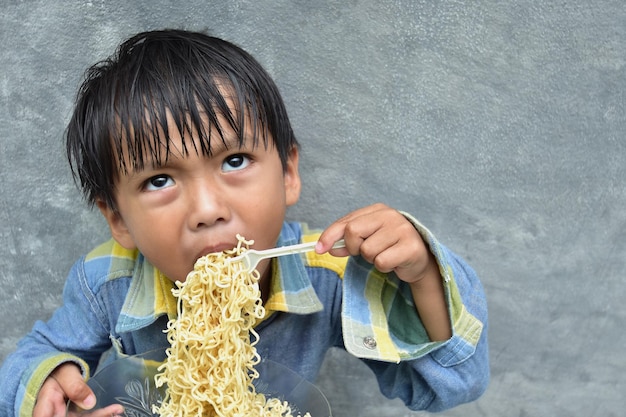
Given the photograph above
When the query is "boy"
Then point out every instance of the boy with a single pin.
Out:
(182, 141)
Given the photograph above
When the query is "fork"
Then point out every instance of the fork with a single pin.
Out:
(251, 258)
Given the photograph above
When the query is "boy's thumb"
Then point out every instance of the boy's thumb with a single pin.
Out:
(88, 402)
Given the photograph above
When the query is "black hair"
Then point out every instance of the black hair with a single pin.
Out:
(122, 106)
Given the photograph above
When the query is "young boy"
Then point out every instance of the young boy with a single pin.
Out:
(182, 141)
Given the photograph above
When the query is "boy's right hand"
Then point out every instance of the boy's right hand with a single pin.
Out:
(66, 383)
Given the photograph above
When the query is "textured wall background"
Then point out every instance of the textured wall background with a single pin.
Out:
(498, 123)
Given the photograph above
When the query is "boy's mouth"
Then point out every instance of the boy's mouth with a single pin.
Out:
(215, 249)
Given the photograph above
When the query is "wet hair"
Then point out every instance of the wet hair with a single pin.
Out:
(121, 110)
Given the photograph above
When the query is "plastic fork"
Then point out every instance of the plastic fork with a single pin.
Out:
(251, 258)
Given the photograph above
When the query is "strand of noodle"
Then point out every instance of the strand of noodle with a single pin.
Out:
(210, 363)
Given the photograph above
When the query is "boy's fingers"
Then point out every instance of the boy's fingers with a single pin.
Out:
(71, 381)
(51, 400)
(66, 383)
(354, 227)
(114, 410)
(336, 231)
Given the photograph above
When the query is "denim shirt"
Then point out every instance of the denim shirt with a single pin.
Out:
(116, 302)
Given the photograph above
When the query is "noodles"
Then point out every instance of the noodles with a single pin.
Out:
(209, 369)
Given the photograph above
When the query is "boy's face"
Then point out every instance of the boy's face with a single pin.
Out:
(193, 204)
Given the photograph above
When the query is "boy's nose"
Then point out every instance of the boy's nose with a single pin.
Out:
(207, 205)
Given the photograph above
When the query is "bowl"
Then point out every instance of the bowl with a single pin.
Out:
(130, 381)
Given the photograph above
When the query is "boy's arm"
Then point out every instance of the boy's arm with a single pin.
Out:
(380, 323)
(75, 327)
(430, 300)
(25, 371)
(390, 240)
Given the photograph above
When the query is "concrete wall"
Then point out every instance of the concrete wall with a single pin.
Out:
(498, 123)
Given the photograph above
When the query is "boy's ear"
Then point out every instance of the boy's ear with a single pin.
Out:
(292, 177)
(118, 228)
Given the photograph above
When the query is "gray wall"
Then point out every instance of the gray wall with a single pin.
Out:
(498, 123)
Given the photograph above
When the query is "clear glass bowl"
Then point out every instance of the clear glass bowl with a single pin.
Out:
(130, 382)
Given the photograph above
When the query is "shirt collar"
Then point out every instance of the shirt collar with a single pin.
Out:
(149, 297)
(291, 290)
(150, 293)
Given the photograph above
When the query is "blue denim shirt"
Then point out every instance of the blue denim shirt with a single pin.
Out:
(115, 301)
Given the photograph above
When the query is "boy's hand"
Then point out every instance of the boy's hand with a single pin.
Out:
(66, 382)
(385, 238)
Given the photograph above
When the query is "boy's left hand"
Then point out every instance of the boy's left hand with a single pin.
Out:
(389, 241)
(383, 237)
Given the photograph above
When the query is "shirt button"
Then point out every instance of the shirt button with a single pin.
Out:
(369, 342)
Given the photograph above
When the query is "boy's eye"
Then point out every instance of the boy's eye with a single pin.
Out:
(159, 182)
(235, 162)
